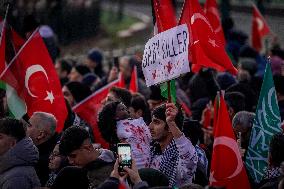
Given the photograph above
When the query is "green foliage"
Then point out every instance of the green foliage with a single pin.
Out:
(111, 24)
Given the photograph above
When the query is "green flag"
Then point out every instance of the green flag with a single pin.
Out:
(16, 106)
(164, 90)
(267, 122)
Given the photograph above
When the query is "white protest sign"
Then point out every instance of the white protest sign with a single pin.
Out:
(166, 55)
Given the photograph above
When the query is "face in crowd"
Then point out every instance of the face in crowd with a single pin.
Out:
(80, 157)
(158, 129)
(121, 112)
(55, 159)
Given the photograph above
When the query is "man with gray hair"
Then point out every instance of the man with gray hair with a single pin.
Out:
(41, 129)
(242, 124)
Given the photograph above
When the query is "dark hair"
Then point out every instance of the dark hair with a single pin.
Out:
(192, 130)
(248, 92)
(156, 93)
(276, 149)
(123, 94)
(65, 65)
(82, 69)
(78, 90)
(69, 120)
(71, 177)
(278, 81)
(202, 85)
(249, 64)
(96, 56)
(235, 100)
(72, 139)
(107, 122)
(160, 113)
(138, 102)
(12, 127)
(153, 177)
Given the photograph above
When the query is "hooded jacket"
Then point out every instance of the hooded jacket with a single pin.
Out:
(16, 166)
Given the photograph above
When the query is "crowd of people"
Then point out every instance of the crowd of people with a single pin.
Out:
(170, 146)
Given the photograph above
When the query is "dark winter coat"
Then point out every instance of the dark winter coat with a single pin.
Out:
(17, 166)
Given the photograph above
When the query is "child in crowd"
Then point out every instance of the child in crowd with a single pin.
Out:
(116, 126)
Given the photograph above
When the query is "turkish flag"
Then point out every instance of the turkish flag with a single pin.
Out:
(213, 15)
(32, 74)
(206, 49)
(259, 29)
(133, 86)
(89, 108)
(227, 168)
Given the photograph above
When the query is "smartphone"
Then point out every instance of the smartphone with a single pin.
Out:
(124, 155)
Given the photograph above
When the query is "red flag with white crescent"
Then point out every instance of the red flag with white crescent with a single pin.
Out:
(213, 15)
(205, 48)
(32, 74)
(259, 29)
(227, 168)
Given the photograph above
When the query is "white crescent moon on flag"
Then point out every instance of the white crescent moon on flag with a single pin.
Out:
(260, 24)
(232, 144)
(29, 72)
(214, 11)
(196, 16)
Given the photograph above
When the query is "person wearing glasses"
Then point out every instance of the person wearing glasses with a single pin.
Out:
(56, 162)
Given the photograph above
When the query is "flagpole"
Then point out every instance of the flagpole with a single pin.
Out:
(4, 23)
(24, 45)
(169, 91)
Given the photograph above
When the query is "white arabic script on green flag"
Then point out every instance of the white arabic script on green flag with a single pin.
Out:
(267, 122)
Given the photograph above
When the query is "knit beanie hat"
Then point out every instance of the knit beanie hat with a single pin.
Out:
(96, 56)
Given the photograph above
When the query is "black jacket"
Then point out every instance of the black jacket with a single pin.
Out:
(45, 150)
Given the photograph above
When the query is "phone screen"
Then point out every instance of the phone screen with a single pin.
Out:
(124, 154)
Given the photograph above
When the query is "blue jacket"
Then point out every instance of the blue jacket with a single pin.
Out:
(16, 166)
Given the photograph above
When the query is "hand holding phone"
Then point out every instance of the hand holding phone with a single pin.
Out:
(124, 156)
(132, 172)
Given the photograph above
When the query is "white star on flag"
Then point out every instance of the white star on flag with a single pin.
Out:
(49, 96)
(213, 42)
